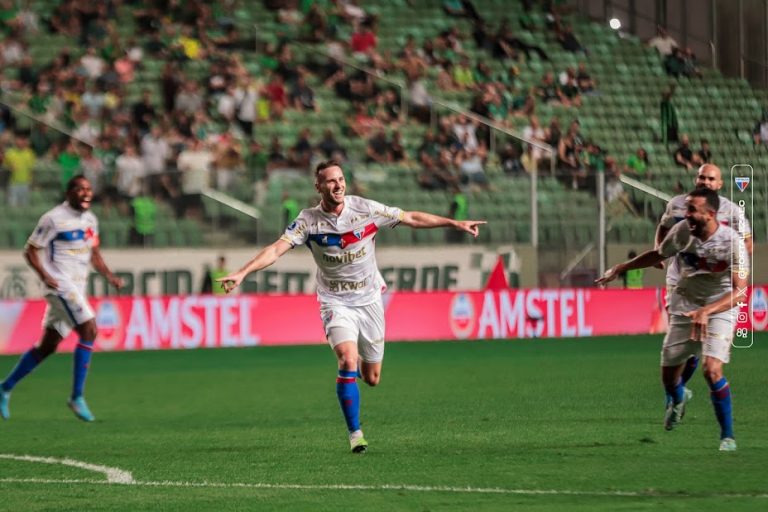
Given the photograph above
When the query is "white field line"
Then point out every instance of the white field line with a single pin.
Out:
(412, 488)
(114, 475)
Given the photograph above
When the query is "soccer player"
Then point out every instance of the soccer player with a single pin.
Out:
(701, 303)
(68, 238)
(708, 176)
(340, 234)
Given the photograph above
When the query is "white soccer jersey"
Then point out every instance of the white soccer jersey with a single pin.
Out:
(343, 248)
(705, 268)
(727, 215)
(66, 237)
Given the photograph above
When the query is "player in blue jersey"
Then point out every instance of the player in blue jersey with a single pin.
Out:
(63, 246)
(339, 233)
(713, 265)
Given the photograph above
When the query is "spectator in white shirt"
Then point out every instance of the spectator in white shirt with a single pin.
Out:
(93, 65)
(663, 42)
(129, 171)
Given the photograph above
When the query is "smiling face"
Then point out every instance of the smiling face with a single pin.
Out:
(698, 215)
(80, 194)
(330, 183)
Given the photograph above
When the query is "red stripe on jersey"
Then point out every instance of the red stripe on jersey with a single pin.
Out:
(353, 237)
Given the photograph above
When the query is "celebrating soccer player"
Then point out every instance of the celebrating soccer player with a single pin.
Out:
(68, 238)
(340, 234)
(708, 176)
(712, 267)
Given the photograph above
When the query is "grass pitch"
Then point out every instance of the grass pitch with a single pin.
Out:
(523, 424)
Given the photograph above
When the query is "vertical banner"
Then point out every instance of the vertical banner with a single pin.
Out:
(742, 195)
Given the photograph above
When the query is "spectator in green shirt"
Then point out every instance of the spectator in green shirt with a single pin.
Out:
(69, 162)
(19, 160)
(637, 165)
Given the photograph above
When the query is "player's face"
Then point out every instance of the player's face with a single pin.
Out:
(709, 177)
(331, 186)
(81, 195)
(697, 214)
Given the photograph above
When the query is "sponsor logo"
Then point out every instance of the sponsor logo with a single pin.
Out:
(759, 305)
(345, 257)
(347, 286)
(462, 315)
(742, 182)
(108, 322)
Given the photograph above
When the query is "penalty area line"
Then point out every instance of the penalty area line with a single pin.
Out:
(404, 487)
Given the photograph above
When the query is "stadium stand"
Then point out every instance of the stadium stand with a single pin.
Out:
(211, 75)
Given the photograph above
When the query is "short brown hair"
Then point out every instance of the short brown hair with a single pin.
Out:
(325, 165)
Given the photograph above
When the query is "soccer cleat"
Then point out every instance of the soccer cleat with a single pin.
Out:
(80, 408)
(728, 444)
(687, 395)
(5, 398)
(675, 413)
(357, 442)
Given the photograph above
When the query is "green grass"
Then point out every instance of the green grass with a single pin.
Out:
(566, 415)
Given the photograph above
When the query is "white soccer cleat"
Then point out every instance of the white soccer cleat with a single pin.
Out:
(675, 413)
(727, 444)
(357, 442)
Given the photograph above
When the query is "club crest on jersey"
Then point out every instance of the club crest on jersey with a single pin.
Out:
(742, 182)
(359, 233)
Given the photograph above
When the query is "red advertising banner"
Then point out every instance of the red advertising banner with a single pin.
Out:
(207, 321)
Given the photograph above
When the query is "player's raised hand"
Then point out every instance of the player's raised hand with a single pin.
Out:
(699, 320)
(231, 281)
(610, 274)
(470, 226)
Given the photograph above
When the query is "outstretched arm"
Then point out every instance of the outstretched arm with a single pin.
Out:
(647, 259)
(101, 267)
(263, 259)
(428, 220)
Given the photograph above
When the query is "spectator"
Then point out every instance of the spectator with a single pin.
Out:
(471, 163)
(704, 154)
(361, 122)
(301, 152)
(674, 63)
(329, 146)
(92, 65)
(461, 9)
(378, 149)
(584, 80)
(20, 161)
(569, 93)
(441, 174)
(363, 40)
(41, 139)
(421, 101)
(189, 99)
(535, 133)
(615, 195)
(276, 158)
(465, 131)
(637, 166)
(246, 100)
(569, 162)
(684, 156)
(510, 160)
(276, 94)
(568, 40)
(93, 101)
(155, 153)
(547, 90)
(690, 65)
(129, 175)
(93, 169)
(302, 95)
(194, 163)
(228, 161)
(396, 147)
(144, 208)
(68, 159)
(144, 113)
(663, 42)
(458, 210)
(668, 117)
(463, 78)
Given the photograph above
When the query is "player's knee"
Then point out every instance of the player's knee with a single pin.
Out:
(712, 372)
(347, 361)
(88, 331)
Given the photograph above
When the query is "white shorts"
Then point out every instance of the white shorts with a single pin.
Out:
(65, 310)
(363, 325)
(678, 346)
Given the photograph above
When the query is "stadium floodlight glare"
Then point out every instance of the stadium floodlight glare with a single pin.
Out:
(615, 23)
